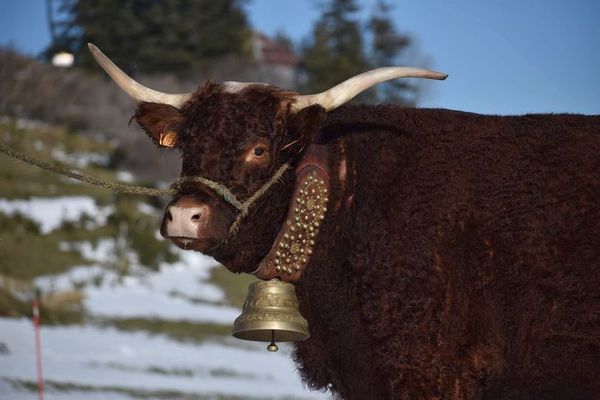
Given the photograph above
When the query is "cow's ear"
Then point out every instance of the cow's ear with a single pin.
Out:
(162, 122)
(302, 128)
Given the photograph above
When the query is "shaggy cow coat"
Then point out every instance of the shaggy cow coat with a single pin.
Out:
(460, 254)
(463, 261)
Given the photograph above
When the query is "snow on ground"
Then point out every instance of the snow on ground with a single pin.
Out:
(76, 277)
(103, 251)
(185, 278)
(125, 176)
(146, 208)
(164, 294)
(176, 292)
(50, 212)
(80, 159)
(50, 393)
(104, 363)
(105, 357)
(135, 301)
(25, 123)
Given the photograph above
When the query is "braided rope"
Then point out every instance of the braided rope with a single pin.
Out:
(215, 186)
(115, 186)
(277, 176)
(222, 190)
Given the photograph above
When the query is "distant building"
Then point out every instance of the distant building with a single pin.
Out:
(278, 65)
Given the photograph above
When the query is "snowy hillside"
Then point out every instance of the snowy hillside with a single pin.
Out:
(90, 361)
(125, 315)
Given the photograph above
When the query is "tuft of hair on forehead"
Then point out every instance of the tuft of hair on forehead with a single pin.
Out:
(263, 100)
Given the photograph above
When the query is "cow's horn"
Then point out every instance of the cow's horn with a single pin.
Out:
(345, 91)
(138, 92)
(141, 93)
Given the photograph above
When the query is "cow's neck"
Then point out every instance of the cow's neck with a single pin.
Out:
(290, 253)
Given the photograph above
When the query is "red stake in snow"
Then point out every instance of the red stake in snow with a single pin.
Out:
(38, 345)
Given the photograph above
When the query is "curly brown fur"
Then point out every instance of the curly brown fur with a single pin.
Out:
(467, 263)
(460, 260)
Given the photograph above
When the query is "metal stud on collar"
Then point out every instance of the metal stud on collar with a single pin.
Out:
(297, 244)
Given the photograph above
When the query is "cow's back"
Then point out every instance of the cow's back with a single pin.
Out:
(473, 243)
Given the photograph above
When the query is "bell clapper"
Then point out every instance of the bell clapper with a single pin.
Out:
(272, 347)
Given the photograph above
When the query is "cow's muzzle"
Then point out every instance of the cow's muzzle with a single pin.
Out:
(192, 224)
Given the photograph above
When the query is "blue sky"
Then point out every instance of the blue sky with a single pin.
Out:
(503, 57)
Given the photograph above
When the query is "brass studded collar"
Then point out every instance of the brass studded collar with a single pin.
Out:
(293, 247)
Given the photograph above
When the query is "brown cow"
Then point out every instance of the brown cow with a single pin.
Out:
(436, 254)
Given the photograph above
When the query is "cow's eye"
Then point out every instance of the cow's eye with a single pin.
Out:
(259, 151)
(258, 154)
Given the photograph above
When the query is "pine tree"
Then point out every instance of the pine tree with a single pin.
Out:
(153, 35)
(386, 49)
(336, 50)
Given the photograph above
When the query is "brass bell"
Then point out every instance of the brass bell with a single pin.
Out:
(270, 314)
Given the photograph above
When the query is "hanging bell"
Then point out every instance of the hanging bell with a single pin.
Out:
(270, 314)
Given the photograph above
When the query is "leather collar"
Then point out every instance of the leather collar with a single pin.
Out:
(293, 247)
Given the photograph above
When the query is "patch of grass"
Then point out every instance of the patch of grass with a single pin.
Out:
(25, 254)
(184, 331)
(171, 371)
(149, 370)
(20, 180)
(66, 387)
(228, 373)
(185, 372)
(10, 306)
(235, 286)
(141, 230)
(63, 314)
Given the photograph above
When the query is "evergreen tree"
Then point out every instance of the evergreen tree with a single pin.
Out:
(386, 50)
(336, 50)
(153, 35)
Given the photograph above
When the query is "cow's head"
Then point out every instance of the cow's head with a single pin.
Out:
(238, 135)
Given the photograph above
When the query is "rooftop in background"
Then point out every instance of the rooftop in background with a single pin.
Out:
(277, 64)
(269, 51)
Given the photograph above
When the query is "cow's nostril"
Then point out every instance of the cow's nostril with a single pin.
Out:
(169, 216)
(196, 217)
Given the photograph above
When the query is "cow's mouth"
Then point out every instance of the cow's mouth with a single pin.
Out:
(183, 242)
(188, 243)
